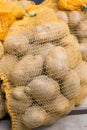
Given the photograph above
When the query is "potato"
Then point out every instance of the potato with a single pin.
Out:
(82, 73)
(1, 50)
(19, 93)
(34, 117)
(83, 49)
(40, 49)
(56, 62)
(83, 40)
(26, 69)
(7, 64)
(49, 32)
(74, 18)
(68, 40)
(51, 118)
(71, 85)
(63, 16)
(74, 54)
(82, 29)
(19, 106)
(44, 89)
(82, 95)
(58, 105)
(24, 3)
(70, 107)
(16, 43)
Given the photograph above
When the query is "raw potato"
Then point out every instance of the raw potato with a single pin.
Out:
(68, 40)
(49, 32)
(51, 118)
(81, 70)
(71, 106)
(44, 89)
(74, 54)
(25, 3)
(83, 48)
(16, 43)
(1, 50)
(40, 49)
(63, 16)
(83, 77)
(56, 63)
(74, 18)
(7, 64)
(19, 93)
(71, 85)
(34, 117)
(83, 40)
(59, 105)
(82, 29)
(82, 95)
(26, 69)
(19, 106)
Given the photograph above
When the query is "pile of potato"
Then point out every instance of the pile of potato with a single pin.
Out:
(45, 69)
(77, 21)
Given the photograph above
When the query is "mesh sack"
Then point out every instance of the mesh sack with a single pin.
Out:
(71, 4)
(76, 21)
(9, 12)
(42, 62)
(3, 83)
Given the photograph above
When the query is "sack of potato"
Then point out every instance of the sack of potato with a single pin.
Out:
(77, 21)
(42, 70)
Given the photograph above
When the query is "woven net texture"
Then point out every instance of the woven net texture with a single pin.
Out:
(43, 70)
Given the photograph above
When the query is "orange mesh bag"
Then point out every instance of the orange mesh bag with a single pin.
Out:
(71, 4)
(43, 64)
(6, 19)
(9, 11)
(3, 83)
(77, 21)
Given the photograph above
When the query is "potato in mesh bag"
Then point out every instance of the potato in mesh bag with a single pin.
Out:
(82, 29)
(38, 98)
(44, 89)
(7, 63)
(62, 15)
(56, 63)
(34, 117)
(51, 118)
(1, 50)
(42, 49)
(51, 31)
(16, 43)
(26, 69)
(58, 105)
(74, 54)
(71, 85)
(74, 18)
(82, 73)
(68, 40)
(19, 100)
(83, 48)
